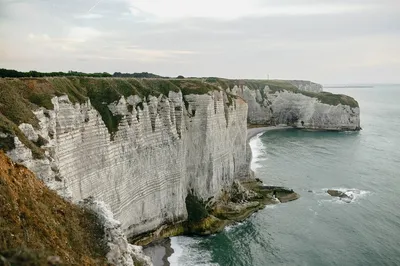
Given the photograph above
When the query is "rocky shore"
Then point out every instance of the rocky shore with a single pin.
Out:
(234, 205)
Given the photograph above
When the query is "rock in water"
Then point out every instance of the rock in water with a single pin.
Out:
(336, 193)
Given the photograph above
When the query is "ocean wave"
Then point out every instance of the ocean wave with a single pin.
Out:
(257, 150)
(187, 252)
(233, 226)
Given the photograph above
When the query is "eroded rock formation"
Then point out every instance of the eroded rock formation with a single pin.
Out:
(141, 146)
(316, 111)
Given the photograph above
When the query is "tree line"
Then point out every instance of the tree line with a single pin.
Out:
(11, 73)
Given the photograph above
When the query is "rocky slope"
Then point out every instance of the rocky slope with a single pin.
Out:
(143, 146)
(37, 226)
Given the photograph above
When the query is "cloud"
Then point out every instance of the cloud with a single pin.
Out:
(75, 35)
(141, 54)
(73, 41)
(83, 34)
(233, 9)
(89, 16)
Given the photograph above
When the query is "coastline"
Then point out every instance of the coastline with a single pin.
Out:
(160, 251)
(254, 131)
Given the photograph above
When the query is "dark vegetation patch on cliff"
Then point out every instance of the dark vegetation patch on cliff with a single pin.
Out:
(35, 223)
(196, 208)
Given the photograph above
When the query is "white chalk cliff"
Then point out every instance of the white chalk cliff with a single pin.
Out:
(296, 109)
(157, 155)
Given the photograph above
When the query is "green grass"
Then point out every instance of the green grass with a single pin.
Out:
(19, 96)
(333, 99)
(14, 105)
(193, 86)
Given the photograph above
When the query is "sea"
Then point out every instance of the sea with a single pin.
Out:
(318, 229)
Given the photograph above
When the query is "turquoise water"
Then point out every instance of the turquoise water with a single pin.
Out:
(318, 229)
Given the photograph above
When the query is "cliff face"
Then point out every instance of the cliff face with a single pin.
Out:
(164, 147)
(317, 111)
(141, 145)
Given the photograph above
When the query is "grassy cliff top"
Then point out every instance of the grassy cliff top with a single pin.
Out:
(19, 96)
(36, 223)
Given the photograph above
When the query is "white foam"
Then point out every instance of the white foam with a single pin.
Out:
(187, 252)
(233, 226)
(257, 149)
(178, 251)
(353, 195)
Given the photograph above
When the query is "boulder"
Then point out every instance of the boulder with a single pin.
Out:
(339, 194)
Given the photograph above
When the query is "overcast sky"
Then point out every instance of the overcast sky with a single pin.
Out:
(327, 41)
